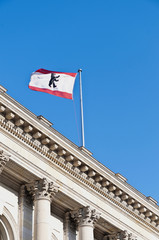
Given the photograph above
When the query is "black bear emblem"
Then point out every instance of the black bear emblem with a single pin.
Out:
(53, 80)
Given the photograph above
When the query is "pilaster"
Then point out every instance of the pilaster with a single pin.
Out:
(69, 227)
(25, 214)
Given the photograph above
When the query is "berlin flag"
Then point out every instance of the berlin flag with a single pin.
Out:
(57, 83)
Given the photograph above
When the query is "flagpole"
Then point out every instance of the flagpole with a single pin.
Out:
(81, 101)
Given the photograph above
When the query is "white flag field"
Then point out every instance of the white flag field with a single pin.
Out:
(57, 83)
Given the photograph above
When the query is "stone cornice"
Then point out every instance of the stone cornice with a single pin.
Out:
(27, 128)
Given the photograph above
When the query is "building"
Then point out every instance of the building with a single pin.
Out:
(50, 189)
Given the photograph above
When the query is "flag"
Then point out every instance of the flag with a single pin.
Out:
(57, 83)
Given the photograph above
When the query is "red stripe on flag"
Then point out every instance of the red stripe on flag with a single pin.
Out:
(56, 93)
(44, 71)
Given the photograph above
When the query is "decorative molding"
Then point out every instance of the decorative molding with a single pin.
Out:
(85, 216)
(42, 189)
(53, 237)
(4, 158)
(1, 206)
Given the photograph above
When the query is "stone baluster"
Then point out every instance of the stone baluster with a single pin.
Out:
(43, 193)
(85, 218)
(4, 158)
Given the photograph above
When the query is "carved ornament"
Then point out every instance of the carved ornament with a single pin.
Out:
(42, 189)
(123, 235)
(85, 216)
(4, 158)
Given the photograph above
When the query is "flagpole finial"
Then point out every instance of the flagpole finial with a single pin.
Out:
(80, 70)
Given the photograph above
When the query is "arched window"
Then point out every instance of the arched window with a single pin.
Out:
(3, 231)
(8, 229)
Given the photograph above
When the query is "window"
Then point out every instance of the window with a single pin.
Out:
(6, 231)
(3, 231)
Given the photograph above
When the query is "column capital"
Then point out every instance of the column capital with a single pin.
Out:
(4, 158)
(24, 197)
(85, 216)
(122, 235)
(42, 189)
(127, 236)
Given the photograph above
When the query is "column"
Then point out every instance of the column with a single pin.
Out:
(43, 193)
(85, 218)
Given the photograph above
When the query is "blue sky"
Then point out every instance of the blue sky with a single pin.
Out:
(116, 43)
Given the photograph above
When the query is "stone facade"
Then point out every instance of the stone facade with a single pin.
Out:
(51, 189)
